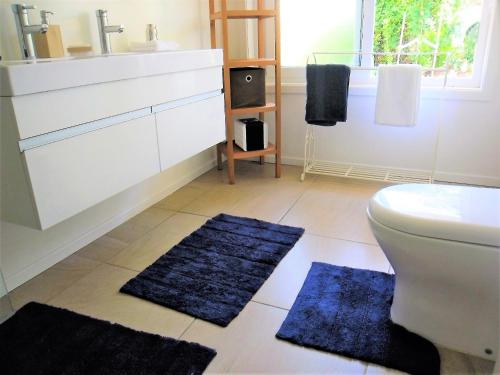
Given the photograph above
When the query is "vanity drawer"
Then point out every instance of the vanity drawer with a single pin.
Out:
(74, 174)
(50, 111)
(186, 130)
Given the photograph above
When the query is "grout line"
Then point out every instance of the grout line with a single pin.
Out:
(189, 326)
(292, 206)
(192, 213)
(147, 231)
(269, 305)
(340, 239)
(74, 254)
(123, 267)
(74, 282)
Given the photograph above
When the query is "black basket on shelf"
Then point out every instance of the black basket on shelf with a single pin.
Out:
(248, 87)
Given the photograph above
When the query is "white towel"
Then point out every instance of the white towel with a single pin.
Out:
(398, 94)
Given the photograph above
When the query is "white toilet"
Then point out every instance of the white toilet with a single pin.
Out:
(443, 242)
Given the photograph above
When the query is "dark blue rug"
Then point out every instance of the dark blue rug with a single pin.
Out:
(41, 339)
(347, 311)
(215, 271)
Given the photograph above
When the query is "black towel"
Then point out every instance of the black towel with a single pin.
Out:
(327, 91)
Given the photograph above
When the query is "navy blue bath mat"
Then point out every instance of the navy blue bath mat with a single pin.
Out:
(41, 339)
(215, 271)
(347, 311)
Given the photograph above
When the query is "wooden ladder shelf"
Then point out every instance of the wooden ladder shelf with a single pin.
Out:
(229, 148)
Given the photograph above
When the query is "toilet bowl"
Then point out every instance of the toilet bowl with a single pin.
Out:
(443, 243)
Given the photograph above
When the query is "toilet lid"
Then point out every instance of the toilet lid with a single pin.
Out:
(457, 213)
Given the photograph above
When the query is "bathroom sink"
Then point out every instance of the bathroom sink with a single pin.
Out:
(21, 77)
(9, 63)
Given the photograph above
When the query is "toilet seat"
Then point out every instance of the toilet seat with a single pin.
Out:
(456, 213)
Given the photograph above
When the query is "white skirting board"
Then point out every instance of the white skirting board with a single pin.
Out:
(468, 179)
(68, 248)
(442, 176)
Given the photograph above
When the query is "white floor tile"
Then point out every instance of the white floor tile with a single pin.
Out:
(249, 345)
(97, 295)
(285, 282)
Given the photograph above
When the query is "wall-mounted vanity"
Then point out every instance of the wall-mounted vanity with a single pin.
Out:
(78, 131)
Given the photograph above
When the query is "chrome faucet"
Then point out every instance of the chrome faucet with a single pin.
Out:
(24, 29)
(105, 30)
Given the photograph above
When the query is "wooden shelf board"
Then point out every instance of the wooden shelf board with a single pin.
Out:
(250, 62)
(269, 107)
(234, 14)
(238, 153)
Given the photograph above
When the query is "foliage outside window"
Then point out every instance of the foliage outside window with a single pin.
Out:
(429, 26)
(441, 31)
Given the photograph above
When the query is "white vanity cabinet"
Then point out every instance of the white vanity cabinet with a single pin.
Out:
(185, 129)
(71, 175)
(79, 143)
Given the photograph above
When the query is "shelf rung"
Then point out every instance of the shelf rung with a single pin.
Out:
(269, 107)
(251, 62)
(238, 153)
(234, 14)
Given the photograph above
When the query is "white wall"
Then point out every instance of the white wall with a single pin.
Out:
(176, 20)
(26, 252)
(237, 29)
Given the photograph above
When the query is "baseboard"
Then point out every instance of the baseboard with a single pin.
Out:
(289, 160)
(467, 179)
(438, 175)
(68, 248)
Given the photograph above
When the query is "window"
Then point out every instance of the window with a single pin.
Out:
(447, 35)
(319, 25)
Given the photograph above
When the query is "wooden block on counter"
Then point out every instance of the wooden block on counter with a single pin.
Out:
(50, 43)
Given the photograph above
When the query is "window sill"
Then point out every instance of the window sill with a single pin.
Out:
(431, 93)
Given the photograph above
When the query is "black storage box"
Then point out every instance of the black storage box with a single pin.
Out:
(248, 87)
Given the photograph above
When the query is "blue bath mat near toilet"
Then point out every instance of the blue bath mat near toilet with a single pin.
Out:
(214, 272)
(347, 311)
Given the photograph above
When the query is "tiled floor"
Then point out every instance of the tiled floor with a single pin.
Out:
(331, 210)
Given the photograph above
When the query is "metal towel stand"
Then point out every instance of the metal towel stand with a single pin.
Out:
(312, 166)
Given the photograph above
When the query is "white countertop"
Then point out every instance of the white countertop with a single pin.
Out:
(23, 77)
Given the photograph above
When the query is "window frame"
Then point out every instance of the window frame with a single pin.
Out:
(294, 75)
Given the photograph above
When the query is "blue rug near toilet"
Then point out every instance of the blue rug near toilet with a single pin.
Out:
(214, 272)
(41, 339)
(347, 311)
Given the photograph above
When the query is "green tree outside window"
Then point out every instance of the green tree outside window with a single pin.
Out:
(434, 25)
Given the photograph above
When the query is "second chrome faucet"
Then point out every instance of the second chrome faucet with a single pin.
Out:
(105, 30)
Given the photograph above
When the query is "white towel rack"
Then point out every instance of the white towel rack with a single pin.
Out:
(366, 172)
